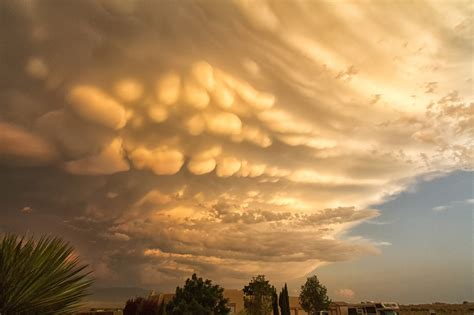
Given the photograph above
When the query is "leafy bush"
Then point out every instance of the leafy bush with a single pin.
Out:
(142, 306)
(259, 296)
(198, 297)
(313, 296)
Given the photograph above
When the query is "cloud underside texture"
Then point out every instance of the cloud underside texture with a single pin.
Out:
(225, 138)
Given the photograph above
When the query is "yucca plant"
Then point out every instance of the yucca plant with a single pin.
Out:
(40, 277)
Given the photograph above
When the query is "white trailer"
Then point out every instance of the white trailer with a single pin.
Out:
(364, 308)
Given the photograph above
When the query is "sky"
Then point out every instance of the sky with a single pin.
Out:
(236, 138)
(426, 234)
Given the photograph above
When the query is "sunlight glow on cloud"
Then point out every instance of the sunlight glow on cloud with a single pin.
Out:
(161, 160)
(168, 88)
(109, 161)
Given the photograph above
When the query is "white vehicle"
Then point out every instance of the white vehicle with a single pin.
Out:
(374, 308)
(364, 308)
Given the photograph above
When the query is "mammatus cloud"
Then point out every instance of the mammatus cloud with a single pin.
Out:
(242, 146)
(109, 161)
(93, 105)
(161, 160)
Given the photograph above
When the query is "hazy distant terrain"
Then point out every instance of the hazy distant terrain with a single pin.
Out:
(113, 297)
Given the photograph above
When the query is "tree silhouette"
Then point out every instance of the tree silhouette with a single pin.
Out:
(132, 306)
(275, 302)
(284, 301)
(258, 296)
(313, 296)
(142, 306)
(198, 297)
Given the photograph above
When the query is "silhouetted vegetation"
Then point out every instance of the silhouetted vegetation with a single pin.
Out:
(198, 297)
(284, 301)
(142, 306)
(259, 296)
(40, 277)
(313, 296)
(201, 297)
(275, 303)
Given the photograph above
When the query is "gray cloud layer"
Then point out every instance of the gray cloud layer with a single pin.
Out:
(227, 138)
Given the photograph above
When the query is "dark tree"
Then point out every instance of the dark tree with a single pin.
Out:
(313, 296)
(275, 302)
(258, 296)
(132, 306)
(150, 307)
(284, 301)
(161, 309)
(142, 306)
(198, 297)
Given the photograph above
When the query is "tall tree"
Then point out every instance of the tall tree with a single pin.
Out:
(275, 302)
(198, 297)
(258, 296)
(284, 301)
(40, 277)
(313, 296)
